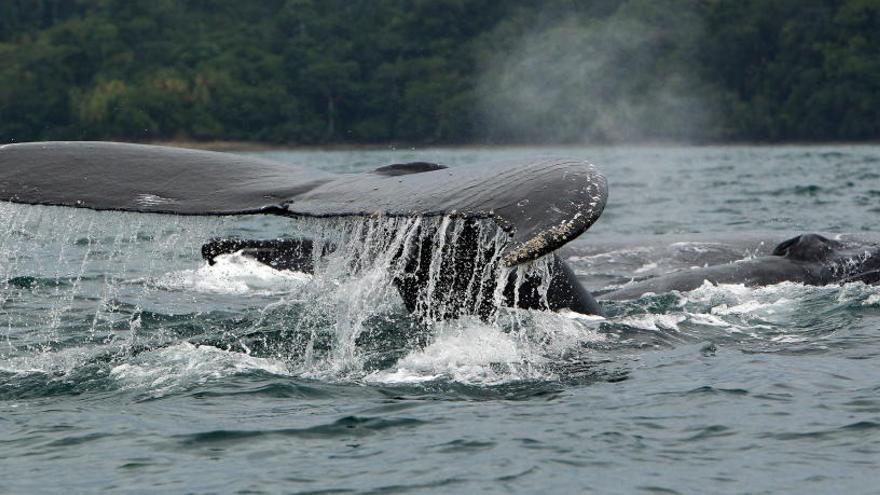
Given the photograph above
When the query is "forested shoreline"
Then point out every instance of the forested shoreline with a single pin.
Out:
(440, 71)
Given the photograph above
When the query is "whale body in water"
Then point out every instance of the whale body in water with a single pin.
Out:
(810, 259)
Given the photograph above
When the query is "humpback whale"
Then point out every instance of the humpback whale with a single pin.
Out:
(539, 206)
(810, 259)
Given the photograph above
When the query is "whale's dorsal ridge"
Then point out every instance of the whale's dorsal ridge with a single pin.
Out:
(806, 247)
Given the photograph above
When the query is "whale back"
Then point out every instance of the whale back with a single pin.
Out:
(807, 247)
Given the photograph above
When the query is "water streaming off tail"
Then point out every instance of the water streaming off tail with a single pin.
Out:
(389, 298)
(76, 277)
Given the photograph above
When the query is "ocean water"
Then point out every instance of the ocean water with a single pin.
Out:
(128, 365)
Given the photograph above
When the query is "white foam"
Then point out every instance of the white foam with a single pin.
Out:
(737, 299)
(709, 320)
(654, 322)
(182, 365)
(55, 362)
(872, 300)
(709, 293)
(574, 315)
(464, 354)
(234, 274)
(647, 267)
(859, 292)
(471, 352)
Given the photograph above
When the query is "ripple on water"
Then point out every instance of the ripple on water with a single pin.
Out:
(347, 427)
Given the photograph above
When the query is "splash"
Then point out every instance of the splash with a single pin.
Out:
(521, 345)
(437, 269)
(234, 274)
(788, 316)
(82, 290)
(185, 365)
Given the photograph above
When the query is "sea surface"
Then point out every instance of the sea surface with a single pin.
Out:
(128, 365)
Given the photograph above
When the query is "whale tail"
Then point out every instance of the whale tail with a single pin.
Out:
(540, 204)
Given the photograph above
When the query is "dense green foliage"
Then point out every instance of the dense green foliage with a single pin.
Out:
(433, 71)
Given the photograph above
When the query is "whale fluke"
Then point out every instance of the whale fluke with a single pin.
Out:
(542, 204)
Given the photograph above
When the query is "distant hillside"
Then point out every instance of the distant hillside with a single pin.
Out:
(440, 71)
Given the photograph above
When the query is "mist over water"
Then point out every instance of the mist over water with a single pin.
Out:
(623, 77)
(126, 361)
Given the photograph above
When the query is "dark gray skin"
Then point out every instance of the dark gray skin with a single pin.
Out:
(564, 290)
(809, 259)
